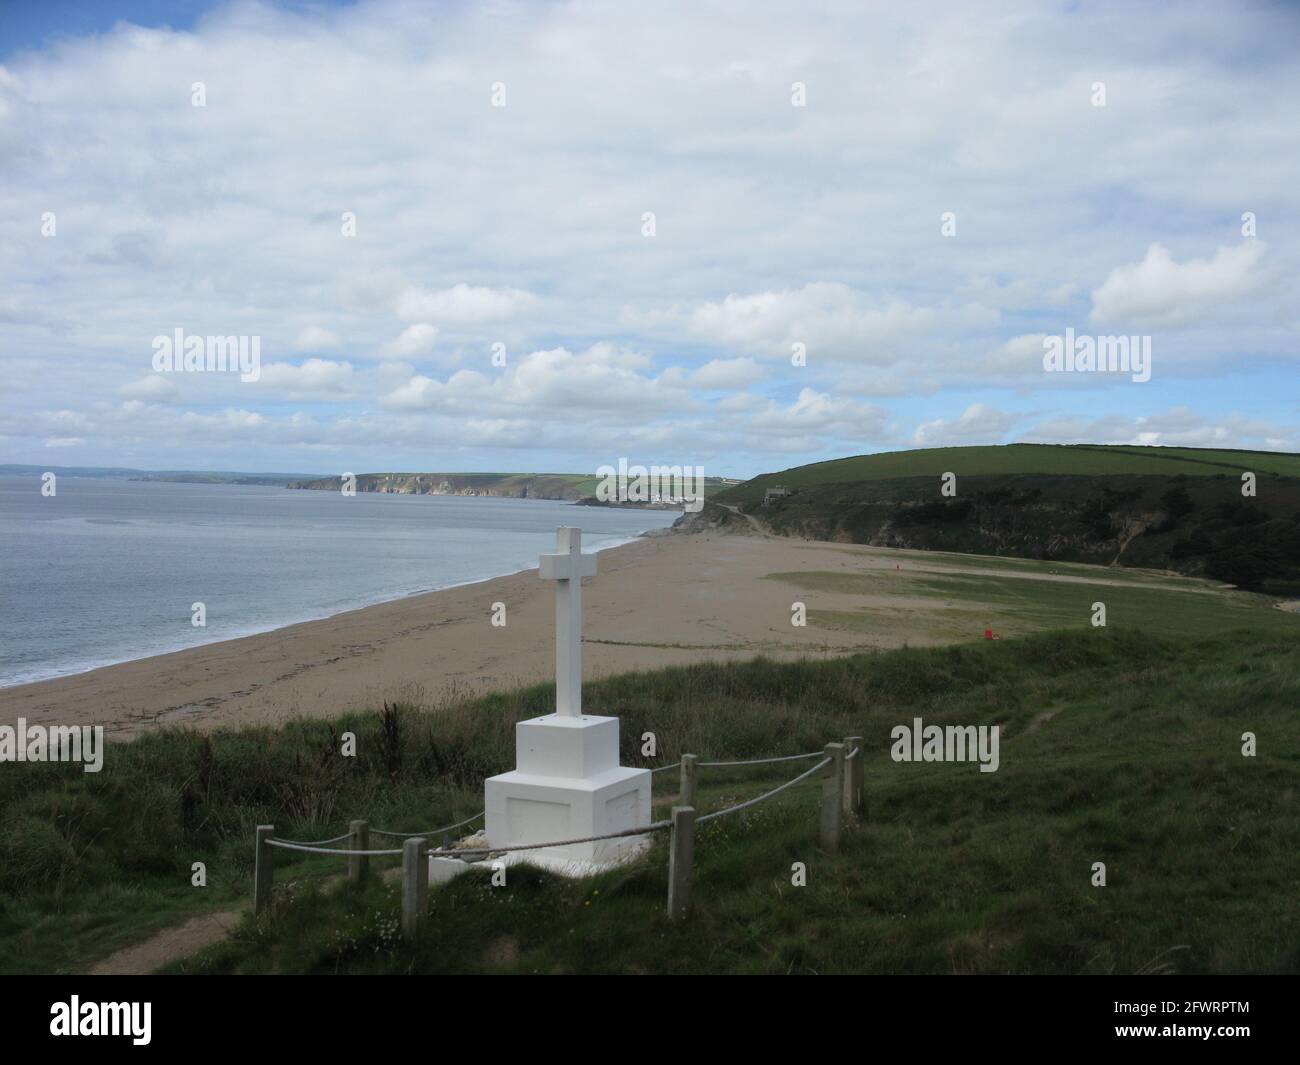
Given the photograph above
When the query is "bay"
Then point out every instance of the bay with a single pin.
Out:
(108, 570)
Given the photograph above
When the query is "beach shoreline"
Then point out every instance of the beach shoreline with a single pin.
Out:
(440, 645)
(660, 600)
(92, 666)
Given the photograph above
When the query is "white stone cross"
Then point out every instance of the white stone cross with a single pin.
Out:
(567, 566)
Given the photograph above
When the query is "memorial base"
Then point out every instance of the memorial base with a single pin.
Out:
(568, 784)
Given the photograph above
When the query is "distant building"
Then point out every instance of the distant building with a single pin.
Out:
(773, 494)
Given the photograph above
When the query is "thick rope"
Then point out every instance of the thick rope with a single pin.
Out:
(856, 752)
(749, 761)
(765, 761)
(766, 795)
(431, 832)
(322, 842)
(657, 826)
(451, 852)
(286, 845)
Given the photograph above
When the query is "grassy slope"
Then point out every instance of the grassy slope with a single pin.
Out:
(951, 871)
(1140, 768)
(1090, 460)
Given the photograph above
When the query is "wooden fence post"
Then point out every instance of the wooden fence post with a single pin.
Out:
(833, 798)
(262, 871)
(415, 885)
(687, 796)
(681, 862)
(854, 795)
(358, 840)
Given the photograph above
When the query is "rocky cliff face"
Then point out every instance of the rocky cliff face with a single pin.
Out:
(508, 485)
(712, 518)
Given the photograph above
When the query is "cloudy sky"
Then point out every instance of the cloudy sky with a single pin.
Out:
(648, 212)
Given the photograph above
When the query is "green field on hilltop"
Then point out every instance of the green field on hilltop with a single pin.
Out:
(1121, 744)
(1093, 460)
(1180, 509)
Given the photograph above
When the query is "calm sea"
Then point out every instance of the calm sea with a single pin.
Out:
(107, 571)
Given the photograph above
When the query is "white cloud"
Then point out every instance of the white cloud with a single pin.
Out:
(727, 373)
(602, 381)
(978, 424)
(1178, 426)
(1158, 291)
(1022, 354)
(521, 225)
(152, 387)
(415, 341)
(463, 304)
(314, 377)
(315, 338)
(817, 412)
(829, 318)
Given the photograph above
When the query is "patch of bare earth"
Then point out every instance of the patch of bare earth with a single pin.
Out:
(504, 951)
(169, 945)
(1039, 721)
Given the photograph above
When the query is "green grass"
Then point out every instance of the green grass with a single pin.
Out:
(1012, 565)
(1019, 459)
(1015, 604)
(952, 870)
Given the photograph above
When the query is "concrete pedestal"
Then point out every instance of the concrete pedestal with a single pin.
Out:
(567, 784)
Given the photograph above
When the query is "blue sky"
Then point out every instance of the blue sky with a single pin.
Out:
(914, 196)
(26, 24)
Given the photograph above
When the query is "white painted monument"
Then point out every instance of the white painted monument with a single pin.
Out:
(567, 783)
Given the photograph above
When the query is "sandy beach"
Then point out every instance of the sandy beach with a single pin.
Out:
(657, 601)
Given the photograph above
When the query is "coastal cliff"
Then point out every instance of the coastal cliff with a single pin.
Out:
(1180, 510)
(564, 486)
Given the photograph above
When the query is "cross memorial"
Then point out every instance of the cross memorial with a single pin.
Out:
(567, 782)
(567, 566)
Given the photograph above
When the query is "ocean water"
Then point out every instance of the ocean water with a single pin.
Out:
(106, 571)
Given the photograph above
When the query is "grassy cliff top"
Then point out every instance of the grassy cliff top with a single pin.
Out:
(1003, 459)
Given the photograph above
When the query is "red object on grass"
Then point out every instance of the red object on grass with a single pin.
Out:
(988, 634)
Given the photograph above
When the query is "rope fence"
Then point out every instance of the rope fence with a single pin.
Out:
(842, 793)
(763, 761)
(307, 848)
(431, 832)
(766, 795)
